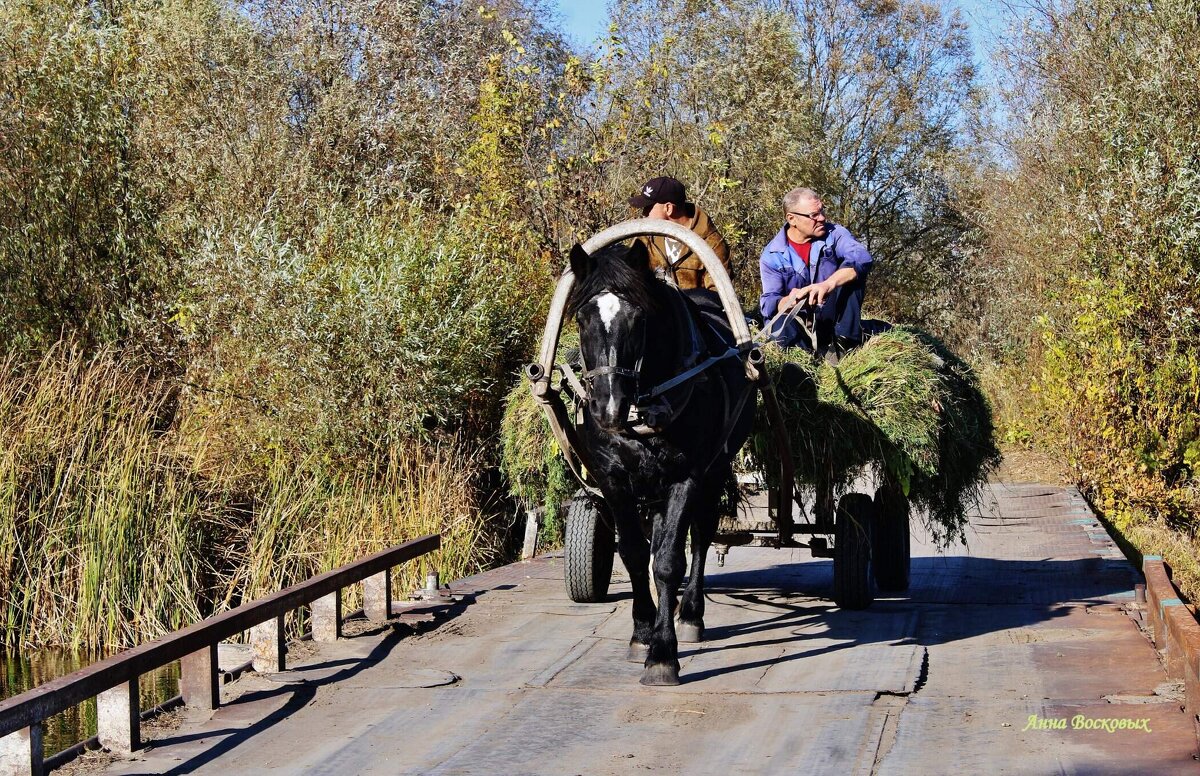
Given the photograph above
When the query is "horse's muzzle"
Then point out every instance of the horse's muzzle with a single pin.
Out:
(610, 413)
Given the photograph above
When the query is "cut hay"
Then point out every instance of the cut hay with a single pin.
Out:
(530, 458)
(902, 406)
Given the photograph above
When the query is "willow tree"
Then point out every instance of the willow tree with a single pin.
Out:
(75, 219)
(745, 99)
(1106, 174)
(708, 92)
(893, 85)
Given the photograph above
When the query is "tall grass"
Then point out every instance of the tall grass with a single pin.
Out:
(99, 515)
(117, 524)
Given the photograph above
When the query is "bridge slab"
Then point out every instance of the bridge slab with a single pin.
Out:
(1028, 619)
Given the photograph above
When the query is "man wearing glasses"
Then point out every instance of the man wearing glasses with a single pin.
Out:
(665, 198)
(815, 262)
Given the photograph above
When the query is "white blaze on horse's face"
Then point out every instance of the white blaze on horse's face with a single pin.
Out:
(609, 304)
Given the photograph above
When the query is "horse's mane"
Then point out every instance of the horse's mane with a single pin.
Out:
(611, 270)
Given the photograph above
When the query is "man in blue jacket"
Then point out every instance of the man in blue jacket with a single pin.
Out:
(814, 261)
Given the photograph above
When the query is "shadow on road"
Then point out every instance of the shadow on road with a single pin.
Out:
(307, 679)
(949, 599)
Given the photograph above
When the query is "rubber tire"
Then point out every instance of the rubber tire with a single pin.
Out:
(852, 552)
(588, 552)
(891, 544)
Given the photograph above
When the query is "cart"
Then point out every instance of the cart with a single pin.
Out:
(869, 533)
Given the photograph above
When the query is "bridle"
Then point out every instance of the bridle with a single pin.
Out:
(589, 375)
(650, 412)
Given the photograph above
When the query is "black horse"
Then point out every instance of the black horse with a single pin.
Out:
(663, 471)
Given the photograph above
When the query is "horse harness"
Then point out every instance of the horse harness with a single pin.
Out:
(654, 411)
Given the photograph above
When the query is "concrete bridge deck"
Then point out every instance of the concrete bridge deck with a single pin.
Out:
(1031, 621)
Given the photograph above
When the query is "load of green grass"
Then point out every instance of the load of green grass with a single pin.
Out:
(530, 458)
(902, 407)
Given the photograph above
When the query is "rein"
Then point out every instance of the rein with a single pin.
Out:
(684, 376)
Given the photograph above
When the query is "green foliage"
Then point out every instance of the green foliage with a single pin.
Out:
(530, 459)
(376, 330)
(77, 243)
(1107, 173)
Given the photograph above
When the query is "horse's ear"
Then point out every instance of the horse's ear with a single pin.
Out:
(581, 262)
(637, 256)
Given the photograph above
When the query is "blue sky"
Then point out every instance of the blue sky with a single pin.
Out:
(585, 20)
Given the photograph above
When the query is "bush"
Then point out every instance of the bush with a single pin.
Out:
(1107, 174)
(377, 330)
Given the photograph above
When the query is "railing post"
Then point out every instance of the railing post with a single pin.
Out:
(21, 752)
(270, 649)
(327, 617)
(533, 526)
(118, 718)
(377, 596)
(199, 679)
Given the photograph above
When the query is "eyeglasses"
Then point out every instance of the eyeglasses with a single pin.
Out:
(812, 216)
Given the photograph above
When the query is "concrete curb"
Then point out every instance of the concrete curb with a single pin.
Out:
(1175, 631)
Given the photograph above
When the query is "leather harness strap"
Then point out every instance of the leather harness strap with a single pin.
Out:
(652, 403)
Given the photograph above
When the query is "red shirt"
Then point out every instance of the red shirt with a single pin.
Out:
(802, 249)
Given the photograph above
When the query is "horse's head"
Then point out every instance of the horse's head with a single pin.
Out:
(613, 301)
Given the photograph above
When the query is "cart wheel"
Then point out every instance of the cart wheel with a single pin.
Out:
(891, 548)
(852, 552)
(588, 552)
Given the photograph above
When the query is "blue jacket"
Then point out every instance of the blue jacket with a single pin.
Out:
(782, 271)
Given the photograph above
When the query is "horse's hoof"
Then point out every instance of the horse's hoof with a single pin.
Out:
(637, 652)
(660, 675)
(687, 633)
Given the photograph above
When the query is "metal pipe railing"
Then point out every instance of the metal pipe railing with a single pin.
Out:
(114, 680)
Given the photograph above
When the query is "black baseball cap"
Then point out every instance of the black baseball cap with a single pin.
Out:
(656, 190)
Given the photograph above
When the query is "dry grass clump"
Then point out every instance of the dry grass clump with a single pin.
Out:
(305, 520)
(1178, 546)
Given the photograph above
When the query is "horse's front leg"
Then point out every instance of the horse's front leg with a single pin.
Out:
(634, 550)
(690, 627)
(670, 533)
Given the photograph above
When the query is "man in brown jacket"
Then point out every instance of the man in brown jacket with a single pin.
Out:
(666, 198)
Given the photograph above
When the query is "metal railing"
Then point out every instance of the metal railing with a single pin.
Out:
(113, 682)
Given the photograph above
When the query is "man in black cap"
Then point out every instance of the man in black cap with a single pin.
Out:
(666, 198)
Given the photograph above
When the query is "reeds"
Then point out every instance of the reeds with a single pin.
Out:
(98, 514)
(119, 521)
